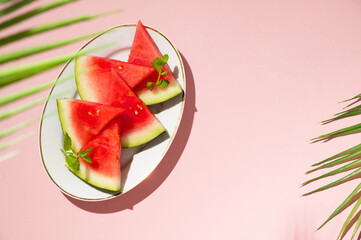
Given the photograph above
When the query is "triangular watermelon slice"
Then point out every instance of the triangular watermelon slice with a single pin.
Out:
(144, 52)
(104, 170)
(132, 74)
(138, 123)
(83, 120)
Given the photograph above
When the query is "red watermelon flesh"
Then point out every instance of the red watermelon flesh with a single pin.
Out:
(104, 170)
(132, 74)
(138, 123)
(144, 51)
(83, 120)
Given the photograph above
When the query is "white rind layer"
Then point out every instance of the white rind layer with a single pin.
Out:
(81, 79)
(64, 113)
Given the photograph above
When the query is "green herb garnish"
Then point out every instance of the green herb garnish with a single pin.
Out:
(71, 157)
(158, 63)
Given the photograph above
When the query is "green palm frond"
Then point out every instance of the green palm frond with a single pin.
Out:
(350, 216)
(18, 127)
(14, 74)
(340, 160)
(25, 70)
(342, 206)
(32, 13)
(357, 226)
(16, 140)
(342, 132)
(19, 109)
(8, 57)
(349, 159)
(15, 6)
(50, 26)
(9, 98)
(9, 155)
(348, 151)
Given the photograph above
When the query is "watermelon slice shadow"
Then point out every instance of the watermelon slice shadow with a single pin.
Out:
(127, 155)
(159, 107)
(175, 72)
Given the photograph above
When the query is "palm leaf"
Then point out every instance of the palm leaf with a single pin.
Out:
(16, 140)
(47, 27)
(344, 131)
(336, 171)
(348, 151)
(353, 98)
(344, 115)
(335, 183)
(337, 161)
(32, 13)
(352, 213)
(29, 91)
(11, 56)
(340, 158)
(358, 223)
(9, 155)
(349, 110)
(14, 74)
(342, 206)
(18, 127)
(17, 5)
(22, 108)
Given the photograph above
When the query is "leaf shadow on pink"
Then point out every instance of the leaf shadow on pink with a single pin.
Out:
(162, 171)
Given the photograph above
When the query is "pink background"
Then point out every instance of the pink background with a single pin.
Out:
(261, 76)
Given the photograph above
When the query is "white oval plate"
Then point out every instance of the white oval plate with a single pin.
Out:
(138, 162)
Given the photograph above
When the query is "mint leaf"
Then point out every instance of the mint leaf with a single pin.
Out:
(165, 58)
(158, 63)
(85, 152)
(87, 158)
(71, 157)
(72, 162)
(150, 85)
(163, 84)
(67, 142)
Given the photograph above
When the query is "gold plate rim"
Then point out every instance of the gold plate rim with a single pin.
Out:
(170, 141)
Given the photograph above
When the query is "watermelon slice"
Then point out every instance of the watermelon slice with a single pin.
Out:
(104, 170)
(90, 66)
(138, 123)
(144, 52)
(84, 120)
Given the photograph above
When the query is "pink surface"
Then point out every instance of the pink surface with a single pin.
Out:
(261, 76)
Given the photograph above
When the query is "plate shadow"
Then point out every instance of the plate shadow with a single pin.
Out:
(129, 199)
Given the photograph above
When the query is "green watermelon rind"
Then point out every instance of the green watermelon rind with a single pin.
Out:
(78, 73)
(66, 123)
(97, 180)
(155, 128)
(151, 97)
